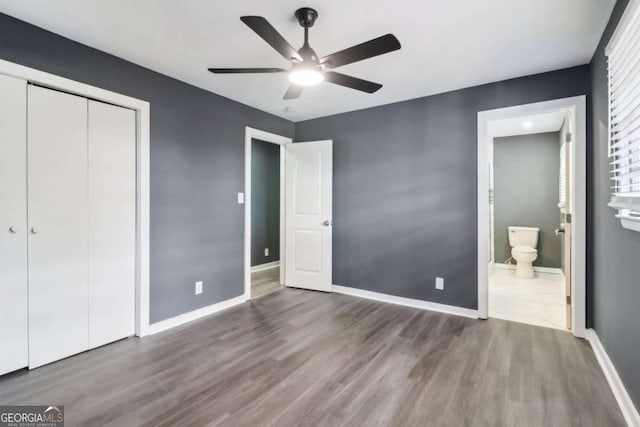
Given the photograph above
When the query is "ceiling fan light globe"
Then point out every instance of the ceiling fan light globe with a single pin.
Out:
(306, 77)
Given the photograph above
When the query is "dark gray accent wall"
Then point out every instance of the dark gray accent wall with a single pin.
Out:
(614, 251)
(197, 165)
(404, 186)
(265, 201)
(526, 177)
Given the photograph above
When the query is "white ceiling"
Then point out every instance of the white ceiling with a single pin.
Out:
(527, 125)
(446, 45)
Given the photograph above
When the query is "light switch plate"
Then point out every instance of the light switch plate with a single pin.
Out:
(198, 288)
(266, 251)
(439, 283)
(240, 198)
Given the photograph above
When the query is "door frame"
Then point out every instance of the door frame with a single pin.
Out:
(577, 106)
(142, 109)
(282, 141)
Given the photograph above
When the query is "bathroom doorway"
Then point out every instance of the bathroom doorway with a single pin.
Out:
(529, 164)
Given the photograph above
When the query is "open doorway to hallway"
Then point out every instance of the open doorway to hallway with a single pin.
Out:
(265, 217)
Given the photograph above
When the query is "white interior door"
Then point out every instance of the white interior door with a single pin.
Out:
(309, 176)
(58, 229)
(567, 223)
(112, 222)
(13, 225)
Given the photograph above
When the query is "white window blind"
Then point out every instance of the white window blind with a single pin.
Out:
(624, 115)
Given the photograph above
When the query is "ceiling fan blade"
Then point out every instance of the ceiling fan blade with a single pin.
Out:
(293, 92)
(351, 82)
(245, 70)
(269, 34)
(378, 46)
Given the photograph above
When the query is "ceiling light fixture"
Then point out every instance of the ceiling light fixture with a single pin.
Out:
(527, 124)
(306, 76)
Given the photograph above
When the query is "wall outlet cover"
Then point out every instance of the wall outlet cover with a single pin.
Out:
(240, 198)
(266, 251)
(439, 283)
(198, 288)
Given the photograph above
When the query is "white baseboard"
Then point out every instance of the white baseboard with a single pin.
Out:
(627, 407)
(407, 302)
(164, 325)
(548, 270)
(266, 266)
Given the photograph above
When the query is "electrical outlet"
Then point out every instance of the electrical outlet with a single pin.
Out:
(266, 251)
(240, 198)
(198, 288)
(439, 283)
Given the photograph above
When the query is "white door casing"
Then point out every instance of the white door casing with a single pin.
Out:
(577, 107)
(112, 222)
(58, 225)
(309, 176)
(13, 225)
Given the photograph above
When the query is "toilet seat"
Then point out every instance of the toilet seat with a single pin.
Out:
(525, 250)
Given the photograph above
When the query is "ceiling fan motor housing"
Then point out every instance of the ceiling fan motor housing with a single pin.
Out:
(306, 16)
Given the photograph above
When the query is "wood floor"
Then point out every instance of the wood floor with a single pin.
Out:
(302, 358)
(264, 282)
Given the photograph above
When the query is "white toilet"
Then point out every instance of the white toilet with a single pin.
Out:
(523, 241)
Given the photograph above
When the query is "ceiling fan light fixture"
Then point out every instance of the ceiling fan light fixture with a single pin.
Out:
(306, 76)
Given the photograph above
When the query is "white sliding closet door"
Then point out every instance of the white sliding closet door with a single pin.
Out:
(13, 225)
(58, 225)
(112, 222)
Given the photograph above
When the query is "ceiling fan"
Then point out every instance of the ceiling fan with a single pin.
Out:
(306, 68)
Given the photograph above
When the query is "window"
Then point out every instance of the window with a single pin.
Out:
(624, 117)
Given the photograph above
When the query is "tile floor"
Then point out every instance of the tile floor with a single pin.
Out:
(538, 301)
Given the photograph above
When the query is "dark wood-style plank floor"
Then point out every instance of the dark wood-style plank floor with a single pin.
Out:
(301, 358)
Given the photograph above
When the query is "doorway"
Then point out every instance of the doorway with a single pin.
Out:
(531, 214)
(265, 218)
(526, 209)
(264, 197)
(304, 218)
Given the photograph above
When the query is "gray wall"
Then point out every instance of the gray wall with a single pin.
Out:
(197, 165)
(265, 201)
(526, 178)
(614, 251)
(404, 186)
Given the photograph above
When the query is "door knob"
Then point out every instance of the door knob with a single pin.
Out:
(559, 231)
(326, 223)
(13, 230)
(34, 230)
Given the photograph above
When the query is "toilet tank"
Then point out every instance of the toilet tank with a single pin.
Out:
(523, 236)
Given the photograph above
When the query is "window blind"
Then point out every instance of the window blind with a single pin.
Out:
(624, 115)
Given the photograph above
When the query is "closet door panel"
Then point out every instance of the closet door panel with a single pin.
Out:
(58, 225)
(112, 222)
(13, 225)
